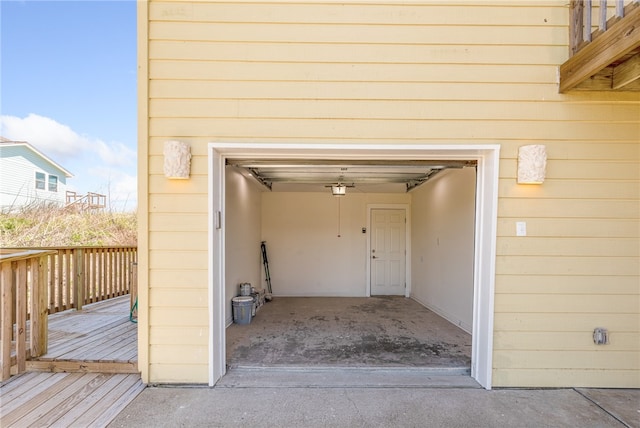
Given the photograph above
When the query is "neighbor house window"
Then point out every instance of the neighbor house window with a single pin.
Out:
(53, 183)
(40, 177)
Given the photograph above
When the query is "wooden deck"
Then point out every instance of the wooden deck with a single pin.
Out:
(88, 375)
(66, 399)
(100, 338)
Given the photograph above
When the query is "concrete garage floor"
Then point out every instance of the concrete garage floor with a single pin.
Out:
(378, 332)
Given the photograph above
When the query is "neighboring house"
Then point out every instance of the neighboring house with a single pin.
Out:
(259, 85)
(28, 176)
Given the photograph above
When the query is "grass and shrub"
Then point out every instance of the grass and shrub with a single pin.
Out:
(52, 226)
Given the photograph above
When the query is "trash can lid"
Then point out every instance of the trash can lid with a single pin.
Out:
(243, 299)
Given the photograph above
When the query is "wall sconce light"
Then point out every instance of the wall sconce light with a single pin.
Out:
(532, 164)
(339, 190)
(177, 160)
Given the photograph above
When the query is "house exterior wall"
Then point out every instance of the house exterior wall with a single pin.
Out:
(421, 72)
(18, 167)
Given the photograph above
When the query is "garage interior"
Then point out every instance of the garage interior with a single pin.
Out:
(326, 310)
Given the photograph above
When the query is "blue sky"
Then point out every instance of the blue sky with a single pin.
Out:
(68, 87)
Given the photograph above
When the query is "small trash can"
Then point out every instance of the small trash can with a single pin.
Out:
(242, 308)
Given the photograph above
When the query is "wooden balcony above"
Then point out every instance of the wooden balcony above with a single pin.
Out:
(607, 59)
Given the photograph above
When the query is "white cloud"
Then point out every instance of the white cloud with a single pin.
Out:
(97, 166)
(52, 138)
(115, 154)
(61, 142)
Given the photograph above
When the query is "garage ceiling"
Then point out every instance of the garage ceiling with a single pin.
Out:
(364, 176)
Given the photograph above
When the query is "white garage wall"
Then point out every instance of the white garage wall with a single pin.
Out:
(306, 256)
(242, 234)
(443, 217)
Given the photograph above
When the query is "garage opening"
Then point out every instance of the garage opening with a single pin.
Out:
(353, 275)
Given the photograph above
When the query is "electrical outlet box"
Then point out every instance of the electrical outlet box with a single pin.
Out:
(521, 228)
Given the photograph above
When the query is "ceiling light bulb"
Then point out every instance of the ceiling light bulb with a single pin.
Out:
(339, 190)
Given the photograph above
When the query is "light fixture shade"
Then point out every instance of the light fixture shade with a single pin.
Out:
(177, 159)
(532, 164)
(339, 190)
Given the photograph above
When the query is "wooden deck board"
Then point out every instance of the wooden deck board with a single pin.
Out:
(100, 333)
(98, 338)
(89, 374)
(25, 390)
(35, 405)
(91, 347)
(118, 398)
(69, 399)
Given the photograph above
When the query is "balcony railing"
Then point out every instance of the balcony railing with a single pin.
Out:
(604, 46)
(38, 282)
(90, 201)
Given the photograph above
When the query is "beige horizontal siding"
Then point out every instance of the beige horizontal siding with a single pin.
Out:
(442, 89)
(181, 260)
(571, 303)
(569, 284)
(561, 341)
(194, 315)
(178, 202)
(393, 109)
(177, 240)
(229, 71)
(574, 189)
(560, 322)
(361, 53)
(535, 359)
(592, 378)
(178, 355)
(179, 336)
(188, 297)
(370, 34)
(566, 265)
(179, 372)
(330, 128)
(170, 278)
(428, 73)
(576, 208)
(188, 222)
(470, 13)
(571, 227)
(563, 246)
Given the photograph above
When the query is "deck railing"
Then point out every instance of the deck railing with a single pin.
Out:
(37, 282)
(606, 13)
(90, 201)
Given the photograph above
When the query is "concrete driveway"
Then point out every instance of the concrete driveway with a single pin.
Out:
(445, 403)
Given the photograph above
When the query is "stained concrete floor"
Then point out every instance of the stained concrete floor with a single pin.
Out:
(386, 332)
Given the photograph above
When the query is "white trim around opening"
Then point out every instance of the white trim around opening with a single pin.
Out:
(487, 157)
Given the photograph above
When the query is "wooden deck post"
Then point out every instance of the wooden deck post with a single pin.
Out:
(6, 280)
(576, 11)
(39, 308)
(78, 278)
(21, 314)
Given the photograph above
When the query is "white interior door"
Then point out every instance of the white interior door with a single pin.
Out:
(388, 252)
